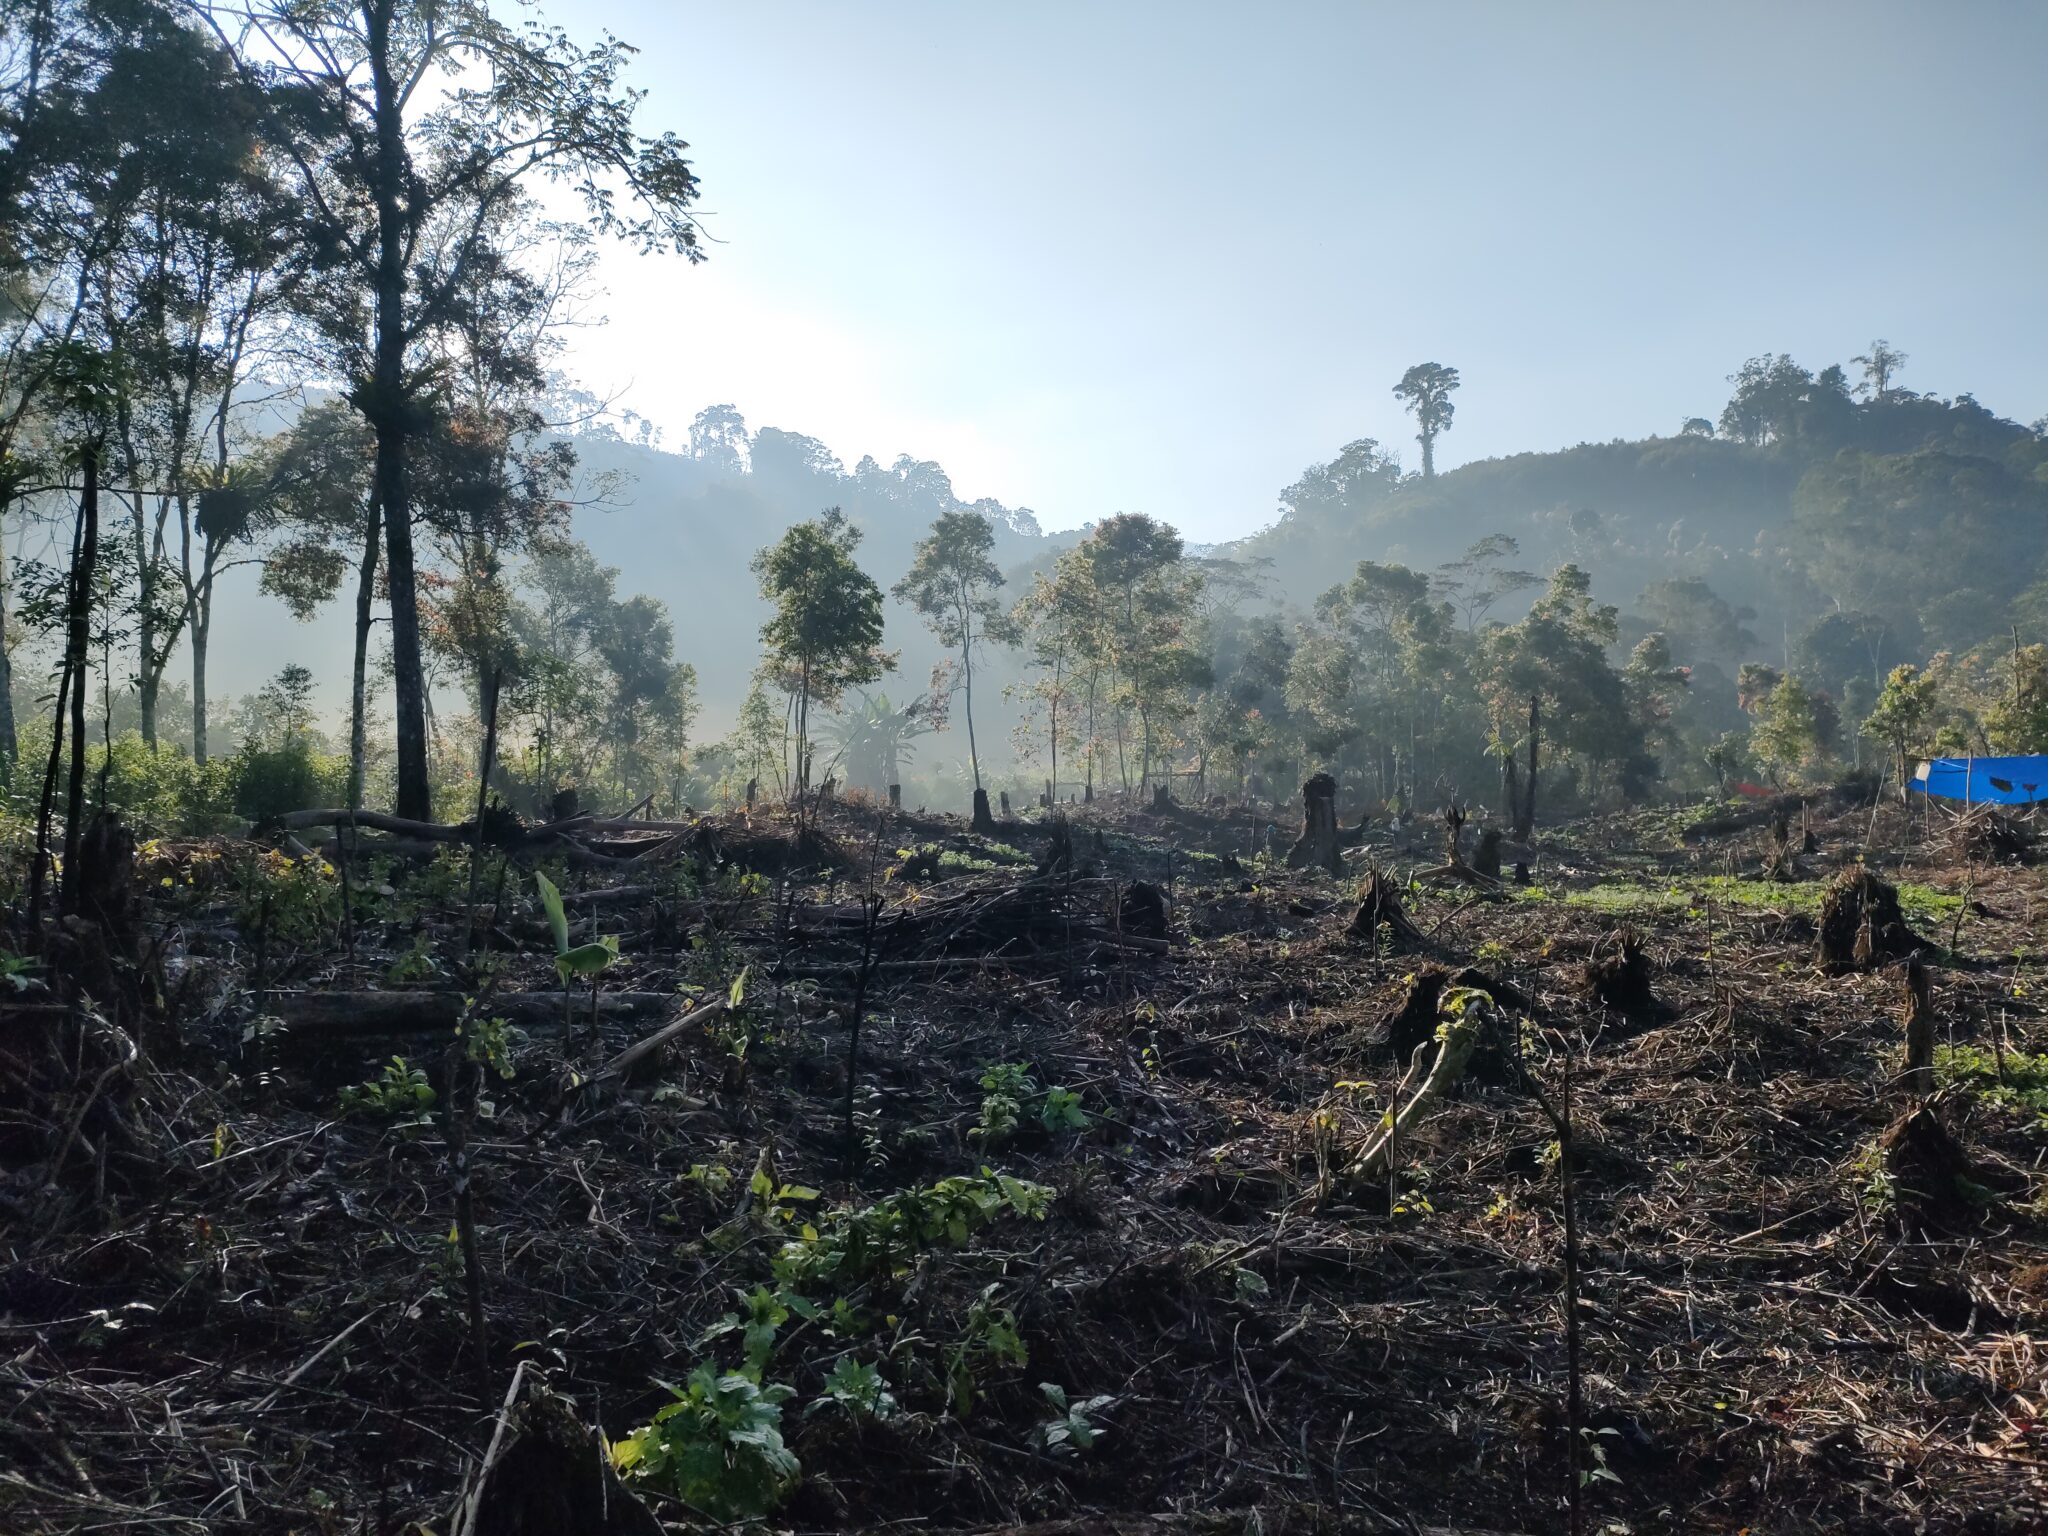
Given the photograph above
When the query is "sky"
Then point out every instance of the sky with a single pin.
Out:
(1159, 257)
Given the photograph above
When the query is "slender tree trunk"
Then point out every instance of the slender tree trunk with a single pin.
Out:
(392, 421)
(967, 673)
(1528, 819)
(1428, 453)
(76, 648)
(1052, 790)
(358, 700)
(10, 742)
(202, 630)
(148, 675)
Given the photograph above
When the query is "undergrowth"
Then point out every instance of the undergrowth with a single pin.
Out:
(2021, 1085)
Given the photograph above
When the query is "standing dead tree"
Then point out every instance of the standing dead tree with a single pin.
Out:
(1317, 847)
(1918, 1018)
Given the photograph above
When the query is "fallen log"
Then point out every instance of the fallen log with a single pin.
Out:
(341, 1015)
(621, 1066)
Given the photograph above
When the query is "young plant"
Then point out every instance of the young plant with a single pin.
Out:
(862, 1391)
(592, 959)
(1071, 1431)
(1007, 1088)
(1005, 1085)
(990, 1337)
(718, 1447)
(1062, 1111)
(401, 1092)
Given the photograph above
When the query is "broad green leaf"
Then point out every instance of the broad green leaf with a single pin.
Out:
(558, 920)
(588, 959)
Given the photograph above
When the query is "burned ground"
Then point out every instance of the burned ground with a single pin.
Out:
(230, 1305)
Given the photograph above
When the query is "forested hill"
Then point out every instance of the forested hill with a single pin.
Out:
(1915, 522)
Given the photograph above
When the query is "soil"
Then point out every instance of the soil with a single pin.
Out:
(228, 1305)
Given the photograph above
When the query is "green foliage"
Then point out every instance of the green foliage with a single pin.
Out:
(825, 634)
(953, 585)
(400, 1092)
(989, 1340)
(1062, 1111)
(1903, 714)
(876, 1241)
(765, 1313)
(15, 971)
(1004, 1087)
(489, 1042)
(1425, 389)
(1008, 1089)
(1692, 896)
(592, 959)
(860, 1390)
(2019, 1082)
(1072, 1430)
(718, 1446)
(269, 781)
(293, 900)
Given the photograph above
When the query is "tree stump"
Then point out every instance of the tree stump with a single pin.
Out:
(1162, 798)
(106, 890)
(1316, 848)
(1618, 975)
(1416, 1017)
(1778, 856)
(554, 1479)
(1932, 1177)
(567, 802)
(1486, 858)
(1059, 852)
(753, 787)
(1005, 798)
(1861, 925)
(983, 821)
(1918, 1018)
(1379, 906)
(1142, 911)
(895, 797)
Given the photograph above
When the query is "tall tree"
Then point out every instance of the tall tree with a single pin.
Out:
(1878, 365)
(1144, 627)
(953, 584)
(1425, 390)
(421, 122)
(825, 635)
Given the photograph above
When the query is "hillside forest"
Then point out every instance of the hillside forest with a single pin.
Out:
(566, 975)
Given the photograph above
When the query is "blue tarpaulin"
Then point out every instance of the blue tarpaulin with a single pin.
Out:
(1985, 780)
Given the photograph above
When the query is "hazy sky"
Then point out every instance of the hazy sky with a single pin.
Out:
(1159, 257)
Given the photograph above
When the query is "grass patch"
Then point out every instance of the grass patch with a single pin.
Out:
(2023, 1087)
(1691, 897)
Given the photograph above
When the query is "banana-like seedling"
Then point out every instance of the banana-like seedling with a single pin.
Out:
(592, 959)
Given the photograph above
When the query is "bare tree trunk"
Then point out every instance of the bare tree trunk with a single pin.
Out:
(358, 701)
(1525, 822)
(10, 741)
(148, 673)
(391, 418)
(76, 646)
(202, 629)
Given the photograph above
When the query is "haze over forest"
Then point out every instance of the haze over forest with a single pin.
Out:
(1315, 391)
